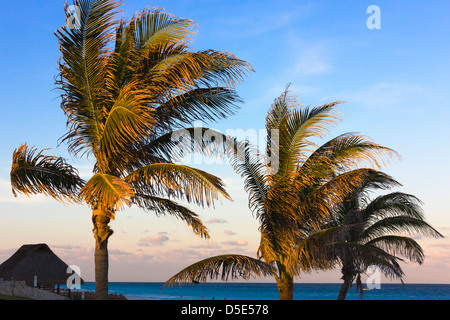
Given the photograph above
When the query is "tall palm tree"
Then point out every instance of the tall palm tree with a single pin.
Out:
(126, 86)
(291, 195)
(377, 231)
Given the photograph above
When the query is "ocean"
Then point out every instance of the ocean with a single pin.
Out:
(268, 291)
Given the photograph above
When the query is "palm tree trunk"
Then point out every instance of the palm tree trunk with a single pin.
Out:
(344, 289)
(348, 275)
(101, 271)
(285, 286)
(102, 232)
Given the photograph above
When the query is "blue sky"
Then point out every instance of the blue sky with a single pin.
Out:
(395, 81)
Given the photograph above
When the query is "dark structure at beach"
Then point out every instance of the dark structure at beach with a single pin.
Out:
(38, 266)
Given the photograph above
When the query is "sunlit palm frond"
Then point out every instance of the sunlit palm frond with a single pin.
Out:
(223, 267)
(346, 152)
(295, 128)
(174, 146)
(200, 104)
(279, 110)
(104, 190)
(34, 173)
(162, 206)
(83, 71)
(186, 183)
(172, 70)
(154, 27)
(128, 120)
(336, 190)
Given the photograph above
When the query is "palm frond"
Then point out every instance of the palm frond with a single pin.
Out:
(173, 146)
(399, 225)
(34, 173)
(186, 183)
(118, 71)
(171, 71)
(248, 164)
(200, 104)
(360, 257)
(128, 120)
(393, 204)
(400, 246)
(346, 152)
(335, 191)
(162, 206)
(223, 267)
(105, 191)
(296, 126)
(154, 27)
(83, 71)
(315, 250)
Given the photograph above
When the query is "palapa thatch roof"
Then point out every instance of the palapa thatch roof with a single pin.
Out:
(36, 260)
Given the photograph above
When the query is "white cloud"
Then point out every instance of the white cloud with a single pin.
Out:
(313, 59)
(213, 246)
(239, 243)
(154, 240)
(217, 220)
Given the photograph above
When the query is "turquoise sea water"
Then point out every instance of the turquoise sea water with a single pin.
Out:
(268, 291)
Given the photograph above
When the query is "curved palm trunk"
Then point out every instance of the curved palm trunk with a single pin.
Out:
(348, 276)
(285, 286)
(102, 232)
(344, 289)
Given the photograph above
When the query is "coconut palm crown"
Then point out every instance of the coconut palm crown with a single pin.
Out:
(378, 232)
(292, 188)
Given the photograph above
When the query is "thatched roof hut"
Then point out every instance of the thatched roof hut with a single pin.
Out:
(36, 260)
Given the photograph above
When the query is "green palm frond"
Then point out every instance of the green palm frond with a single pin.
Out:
(118, 71)
(400, 246)
(128, 120)
(335, 191)
(34, 173)
(154, 27)
(248, 164)
(173, 146)
(376, 240)
(107, 190)
(398, 225)
(186, 183)
(171, 71)
(315, 251)
(223, 267)
(162, 206)
(346, 152)
(362, 256)
(393, 204)
(296, 126)
(83, 73)
(200, 104)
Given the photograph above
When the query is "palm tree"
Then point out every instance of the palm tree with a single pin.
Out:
(291, 195)
(126, 87)
(376, 231)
